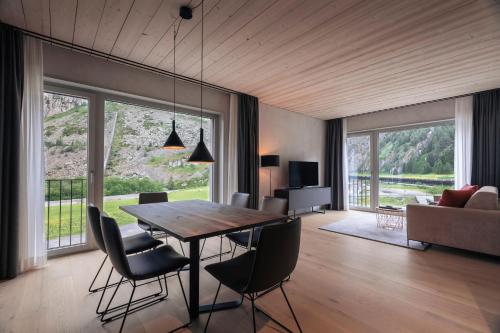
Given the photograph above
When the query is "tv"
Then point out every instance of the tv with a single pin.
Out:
(301, 174)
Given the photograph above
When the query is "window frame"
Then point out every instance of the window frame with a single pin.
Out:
(95, 142)
(374, 154)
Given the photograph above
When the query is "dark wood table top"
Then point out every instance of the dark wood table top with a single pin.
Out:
(196, 219)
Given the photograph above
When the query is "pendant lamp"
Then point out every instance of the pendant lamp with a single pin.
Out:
(174, 142)
(201, 153)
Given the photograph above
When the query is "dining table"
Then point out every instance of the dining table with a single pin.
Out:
(195, 220)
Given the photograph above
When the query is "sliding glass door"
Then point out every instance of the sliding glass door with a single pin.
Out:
(394, 167)
(359, 160)
(66, 132)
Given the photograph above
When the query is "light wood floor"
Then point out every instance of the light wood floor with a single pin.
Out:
(341, 284)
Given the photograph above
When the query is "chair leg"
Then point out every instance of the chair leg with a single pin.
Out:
(212, 308)
(252, 299)
(103, 292)
(202, 246)
(182, 248)
(166, 285)
(290, 307)
(103, 313)
(96, 275)
(220, 250)
(234, 251)
(128, 307)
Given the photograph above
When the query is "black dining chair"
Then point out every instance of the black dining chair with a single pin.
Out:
(132, 244)
(154, 197)
(240, 200)
(262, 269)
(148, 265)
(269, 204)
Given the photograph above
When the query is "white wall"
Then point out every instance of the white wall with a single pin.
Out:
(293, 136)
(423, 113)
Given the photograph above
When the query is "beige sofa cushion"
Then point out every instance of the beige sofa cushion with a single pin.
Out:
(484, 198)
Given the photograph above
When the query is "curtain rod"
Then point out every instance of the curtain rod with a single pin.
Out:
(110, 57)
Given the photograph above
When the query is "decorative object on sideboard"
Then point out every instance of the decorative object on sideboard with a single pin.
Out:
(270, 161)
(201, 153)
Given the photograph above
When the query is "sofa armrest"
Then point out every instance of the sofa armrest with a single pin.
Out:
(471, 229)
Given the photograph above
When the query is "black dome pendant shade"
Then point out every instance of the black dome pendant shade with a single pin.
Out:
(173, 141)
(201, 153)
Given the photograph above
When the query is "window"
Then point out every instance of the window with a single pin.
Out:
(414, 164)
(134, 161)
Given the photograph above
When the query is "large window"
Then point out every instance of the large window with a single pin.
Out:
(105, 149)
(134, 162)
(414, 164)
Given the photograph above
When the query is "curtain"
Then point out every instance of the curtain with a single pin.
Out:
(232, 154)
(334, 162)
(486, 138)
(463, 141)
(11, 92)
(248, 147)
(32, 248)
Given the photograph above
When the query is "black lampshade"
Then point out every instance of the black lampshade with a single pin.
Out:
(201, 153)
(270, 161)
(173, 141)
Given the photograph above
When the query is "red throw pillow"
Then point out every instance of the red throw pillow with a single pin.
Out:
(455, 198)
(468, 187)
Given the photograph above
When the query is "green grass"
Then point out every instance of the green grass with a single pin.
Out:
(69, 215)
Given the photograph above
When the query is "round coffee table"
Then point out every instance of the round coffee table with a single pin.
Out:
(390, 218)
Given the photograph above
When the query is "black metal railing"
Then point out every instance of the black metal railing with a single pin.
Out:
(65, 212)
(360, 186)
(359, 191)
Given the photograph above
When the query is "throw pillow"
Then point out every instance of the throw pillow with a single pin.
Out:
(455, 198)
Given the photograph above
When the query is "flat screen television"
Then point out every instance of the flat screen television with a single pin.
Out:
(302, 174)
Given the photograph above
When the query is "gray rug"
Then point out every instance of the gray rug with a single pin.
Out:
(365, 226)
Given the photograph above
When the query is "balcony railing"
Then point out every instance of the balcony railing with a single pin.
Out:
(360, 188)
(65, 212)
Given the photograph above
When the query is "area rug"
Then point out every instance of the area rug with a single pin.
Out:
(365, 226)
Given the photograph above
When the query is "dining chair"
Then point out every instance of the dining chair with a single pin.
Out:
(154, 197)
(262, 269)
(269, 204)
(152, 264)
(240, 200)
(132, 245)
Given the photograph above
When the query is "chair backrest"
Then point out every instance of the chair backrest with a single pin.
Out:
(114, 246)
(94, 215)
(275, 205)
(152, 197)
(276, 255)
(240, 200)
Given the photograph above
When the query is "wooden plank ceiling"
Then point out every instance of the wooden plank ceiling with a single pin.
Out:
(322, 58)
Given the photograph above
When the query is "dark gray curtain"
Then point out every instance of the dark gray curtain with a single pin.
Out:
(11, 92)
(486, 138)
(248, 147)
(333, 163)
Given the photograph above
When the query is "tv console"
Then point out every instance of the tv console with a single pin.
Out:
(305, 197)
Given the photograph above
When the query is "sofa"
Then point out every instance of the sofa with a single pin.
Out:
(476, 227)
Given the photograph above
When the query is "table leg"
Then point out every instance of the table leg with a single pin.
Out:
(194, 278)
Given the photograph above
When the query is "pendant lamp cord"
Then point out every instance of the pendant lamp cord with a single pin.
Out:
(176, 31)
(201, 73)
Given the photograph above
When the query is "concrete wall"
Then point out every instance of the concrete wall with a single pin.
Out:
(294, 137)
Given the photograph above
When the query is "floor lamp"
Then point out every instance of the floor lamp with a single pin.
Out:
(270, 161)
